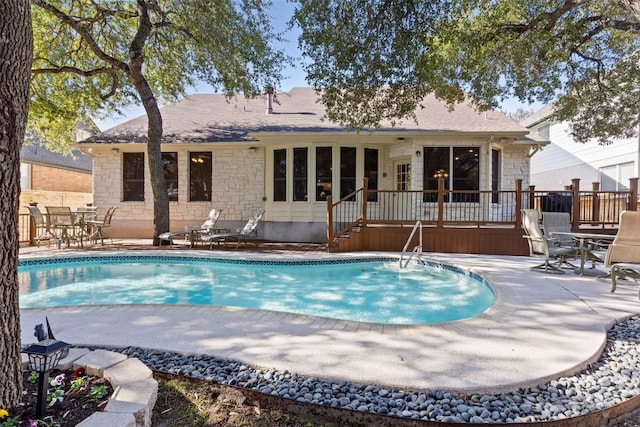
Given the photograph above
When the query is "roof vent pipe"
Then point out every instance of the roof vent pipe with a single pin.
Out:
(269, 100)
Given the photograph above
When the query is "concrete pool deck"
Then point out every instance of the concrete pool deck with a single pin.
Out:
(542, 327)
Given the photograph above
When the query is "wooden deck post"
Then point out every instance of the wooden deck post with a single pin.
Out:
(365, 197)
(532, 197)
(329, 221)
(595, 203)
(518, 216)
(633, 196)
(440, 222)
(575, 204)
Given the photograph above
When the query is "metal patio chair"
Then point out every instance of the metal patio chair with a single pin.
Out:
(623, 255)
(541, 246)
(97, 227)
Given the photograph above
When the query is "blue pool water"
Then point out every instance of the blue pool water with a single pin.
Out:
(369, 290)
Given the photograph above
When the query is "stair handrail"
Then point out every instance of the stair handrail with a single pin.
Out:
(416, 250)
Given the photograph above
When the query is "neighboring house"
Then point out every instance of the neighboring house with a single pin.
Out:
(563, 159)
(49, 178)
(279, 155)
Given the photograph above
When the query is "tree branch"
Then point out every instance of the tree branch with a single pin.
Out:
(82, 32)
(73, 70)
(110, 71)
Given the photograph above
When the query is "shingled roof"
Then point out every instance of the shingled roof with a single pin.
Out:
(37, 153)
(213, 118)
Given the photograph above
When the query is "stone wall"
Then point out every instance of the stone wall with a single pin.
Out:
(237, 193)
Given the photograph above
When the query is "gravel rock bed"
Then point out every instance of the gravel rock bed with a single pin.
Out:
(614, 378)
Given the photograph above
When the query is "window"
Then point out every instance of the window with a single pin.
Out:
(280, 175)
(170, 167)
(347, 172)
(459, 166)
(25, 176)
(133, 177)
(495, 175)
(371, 172)
(543, 131)
(200, 168)
(323, 173)
(436, 164)
(300, 170)
(616, 177)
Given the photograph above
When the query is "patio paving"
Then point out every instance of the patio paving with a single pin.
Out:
(542, 327)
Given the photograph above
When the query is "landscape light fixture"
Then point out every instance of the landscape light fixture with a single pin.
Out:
(43, 357)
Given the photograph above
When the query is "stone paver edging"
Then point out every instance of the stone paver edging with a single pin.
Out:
(134, 389)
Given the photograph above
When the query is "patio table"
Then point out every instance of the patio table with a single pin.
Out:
(586, 241)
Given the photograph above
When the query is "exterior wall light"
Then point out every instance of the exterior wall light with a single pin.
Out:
(43, 357)
(441, 173)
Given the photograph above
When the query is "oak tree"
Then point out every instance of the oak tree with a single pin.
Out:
(376, 60)
(16, 46)
(97, 56)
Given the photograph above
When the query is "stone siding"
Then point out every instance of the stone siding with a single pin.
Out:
(237, 193)
(515, 165)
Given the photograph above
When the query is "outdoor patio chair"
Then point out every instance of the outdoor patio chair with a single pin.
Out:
(243, 234)
(41, 227)
(559, 222)
(541, 246)
(194, 233)
(97, 227)
(61, 224)
(623, 255)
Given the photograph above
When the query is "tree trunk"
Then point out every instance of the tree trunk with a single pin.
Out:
(154, 133)
(16, 51)
(154, 152)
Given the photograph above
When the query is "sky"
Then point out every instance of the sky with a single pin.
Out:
(294, 76)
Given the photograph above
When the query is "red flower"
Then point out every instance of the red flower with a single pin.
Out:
(79, 372)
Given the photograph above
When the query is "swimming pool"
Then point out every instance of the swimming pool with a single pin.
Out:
(361, 289)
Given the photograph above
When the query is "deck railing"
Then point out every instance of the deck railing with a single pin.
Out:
(25, 231)
(448, 208)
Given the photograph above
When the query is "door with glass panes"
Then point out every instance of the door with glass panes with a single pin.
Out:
(402, 182)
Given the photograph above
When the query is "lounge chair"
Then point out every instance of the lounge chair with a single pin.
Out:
(543, 247)
(194, 234)
(244, 234)
(623, 255)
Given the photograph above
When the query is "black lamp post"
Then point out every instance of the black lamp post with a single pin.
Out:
(43, 357)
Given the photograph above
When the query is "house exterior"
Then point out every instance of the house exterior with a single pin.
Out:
(278, 154)
(49, 178)
(564, 159)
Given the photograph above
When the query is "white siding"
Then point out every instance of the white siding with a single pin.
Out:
(558, 163)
